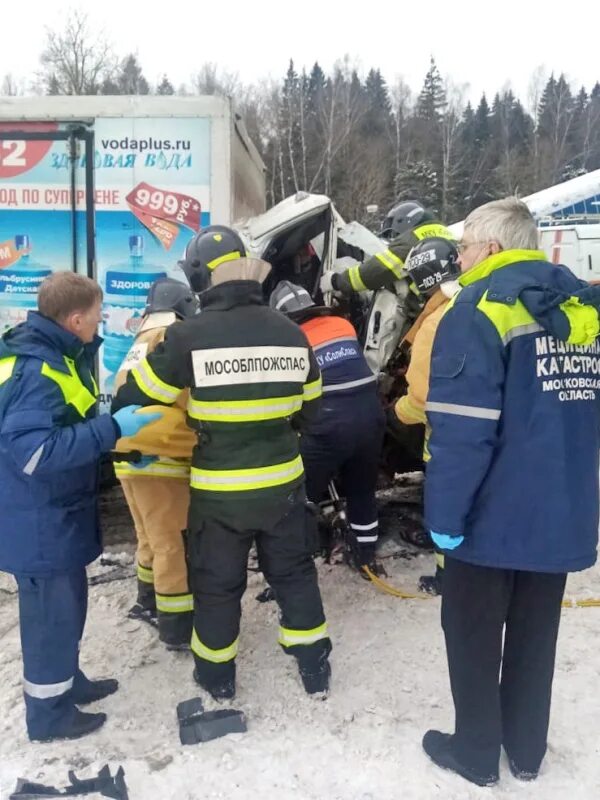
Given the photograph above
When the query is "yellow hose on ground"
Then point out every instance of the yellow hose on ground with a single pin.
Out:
(593, 602)
(388, 589)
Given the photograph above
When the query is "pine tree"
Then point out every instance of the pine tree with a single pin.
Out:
(481, 123)
(554, 127)
(378, 116)
(432, 100)
(131, 79)
(165, 86)
(128, 79)
(419, 180)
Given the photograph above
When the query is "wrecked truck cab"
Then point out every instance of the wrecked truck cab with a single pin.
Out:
(303, 237)
(296, 237)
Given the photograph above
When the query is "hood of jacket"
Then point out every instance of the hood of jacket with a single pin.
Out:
(564, 306)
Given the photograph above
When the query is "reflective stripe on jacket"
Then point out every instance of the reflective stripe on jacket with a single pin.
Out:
(385, 268)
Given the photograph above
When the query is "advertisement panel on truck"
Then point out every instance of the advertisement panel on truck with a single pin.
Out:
(152, 178)
(152, 192)
(38, 223)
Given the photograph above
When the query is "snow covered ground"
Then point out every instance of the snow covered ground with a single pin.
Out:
(389, 685)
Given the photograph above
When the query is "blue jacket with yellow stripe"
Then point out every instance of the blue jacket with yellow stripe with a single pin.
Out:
(514, 411)
(50, 443)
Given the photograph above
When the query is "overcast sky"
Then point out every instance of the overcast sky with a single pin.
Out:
(473, 43)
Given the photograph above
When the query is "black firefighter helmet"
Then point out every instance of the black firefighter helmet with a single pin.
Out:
(208, 249)
(431, 262)
(167, 294)
(404, 217)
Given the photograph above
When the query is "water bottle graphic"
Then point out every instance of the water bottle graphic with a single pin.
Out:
(126, 289)
(19, 284)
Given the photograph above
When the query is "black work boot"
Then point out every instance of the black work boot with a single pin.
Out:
(217, 679)
(439, 748)
(175, 630)
(519, 773)
(316, 683)
(314, 667)
(146, 597)
(74, 725)
(86, 691)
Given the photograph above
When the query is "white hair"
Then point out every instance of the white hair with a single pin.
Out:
(508, 222)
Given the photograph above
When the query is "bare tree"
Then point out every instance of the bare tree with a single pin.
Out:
(401, 99)
(76, 59)
(11, 86)
(340, 113)
(450, 136)
(538, 80)
(211, 79)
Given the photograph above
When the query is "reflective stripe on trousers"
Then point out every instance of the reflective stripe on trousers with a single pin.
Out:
(44, 691)
(215, 656)
(236, 480)
(290, 638)
(174, 603)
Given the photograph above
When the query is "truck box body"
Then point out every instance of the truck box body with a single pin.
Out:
(114, 187)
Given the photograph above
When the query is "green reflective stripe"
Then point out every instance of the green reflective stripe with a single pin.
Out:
(497, 261)
(222, 259)
(216, 656)
(390, 261)
(244, 410)
(240, 480)
(159, 469)
(288, 637)
(382, 258)
(74, 391)
(7, 366)
(151, 385)
(174, 603)
(145, 574)
(433, 229)
(439, 560)
(391, 256)
(583, 321)
(509, 321)
(313, 390)
(356, 280)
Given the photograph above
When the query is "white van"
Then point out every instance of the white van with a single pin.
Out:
(577, 246)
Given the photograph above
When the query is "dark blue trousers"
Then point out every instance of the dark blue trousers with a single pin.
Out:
(52, 615)
(346, 443)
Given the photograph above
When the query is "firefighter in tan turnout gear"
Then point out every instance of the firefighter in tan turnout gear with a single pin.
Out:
(157, 489)
(254, 383)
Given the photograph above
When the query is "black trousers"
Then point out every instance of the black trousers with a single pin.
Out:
(218, 563)
(501, 688)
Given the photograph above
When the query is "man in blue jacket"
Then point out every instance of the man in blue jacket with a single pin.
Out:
(50, 444)
(512, 486)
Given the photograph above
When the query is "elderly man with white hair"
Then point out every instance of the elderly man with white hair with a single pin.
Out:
(512, 486)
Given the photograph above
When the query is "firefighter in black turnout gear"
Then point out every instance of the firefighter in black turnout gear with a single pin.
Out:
(254, 383)
(405, 226)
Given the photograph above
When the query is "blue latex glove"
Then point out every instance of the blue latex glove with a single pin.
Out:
(445, 542)
(130, 423)
(144, 461)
